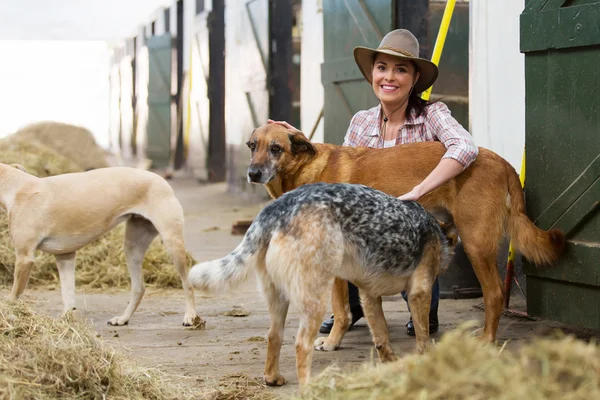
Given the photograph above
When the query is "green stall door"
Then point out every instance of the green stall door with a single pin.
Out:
(561, 43)
(158, 145)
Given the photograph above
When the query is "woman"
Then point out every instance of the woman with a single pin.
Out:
(398, 76)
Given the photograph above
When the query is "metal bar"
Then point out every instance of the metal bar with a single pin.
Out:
(280, 60)
(179, 159)
(217, 145)
(441, 39)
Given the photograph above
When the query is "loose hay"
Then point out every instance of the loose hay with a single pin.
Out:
(236, 312)
(39, 159)
(461, 367)
(239, 387)
(47, 358)
(73, 142)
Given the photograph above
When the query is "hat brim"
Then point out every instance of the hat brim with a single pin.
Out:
(364, 57)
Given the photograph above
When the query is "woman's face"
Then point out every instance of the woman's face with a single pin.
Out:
(393, 78)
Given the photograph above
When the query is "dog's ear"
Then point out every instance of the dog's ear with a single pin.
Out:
(19, 167)
(300, 144)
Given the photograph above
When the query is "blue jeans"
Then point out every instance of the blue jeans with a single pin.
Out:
(355, 300)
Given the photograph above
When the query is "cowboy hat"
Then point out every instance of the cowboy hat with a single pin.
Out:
(404, 45)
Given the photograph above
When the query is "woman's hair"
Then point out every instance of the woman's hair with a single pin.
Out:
(415, 102)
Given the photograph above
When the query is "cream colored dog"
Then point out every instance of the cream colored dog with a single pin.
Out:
(63, 213)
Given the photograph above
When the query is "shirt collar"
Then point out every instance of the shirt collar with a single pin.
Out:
(374, 118)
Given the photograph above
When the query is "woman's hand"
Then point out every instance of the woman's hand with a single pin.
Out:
(285, 124)
(447, 169)
(414, 194)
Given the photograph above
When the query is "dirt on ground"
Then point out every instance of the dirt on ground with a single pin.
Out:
(234, 340)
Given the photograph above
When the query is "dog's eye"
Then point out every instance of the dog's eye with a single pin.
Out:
(251, 145)
(275, 148)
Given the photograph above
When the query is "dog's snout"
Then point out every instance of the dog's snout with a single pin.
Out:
(254, 174)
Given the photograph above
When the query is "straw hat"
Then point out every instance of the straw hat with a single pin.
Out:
(404, 45)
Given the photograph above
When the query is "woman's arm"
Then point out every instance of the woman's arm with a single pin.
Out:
(461, 151)
(447, 169)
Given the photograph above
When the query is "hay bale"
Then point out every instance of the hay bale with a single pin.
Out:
(73, 142)
(39, 159)
(47, 358)
(461, 367)
(99, 265)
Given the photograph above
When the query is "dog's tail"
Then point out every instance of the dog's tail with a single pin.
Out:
(537, 245)
(230, 271)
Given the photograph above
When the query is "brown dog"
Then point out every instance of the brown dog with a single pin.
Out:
(486, 200)
(61, 214)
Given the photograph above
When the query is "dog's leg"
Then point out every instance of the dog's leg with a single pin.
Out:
(378, 325)
(486, 270)
(139, 233)
(176, 248)
(419, 301)
(480, 244)
(23, 265)
(278, 309)
(171, 232)
(419, 292)
(341, 321)
(480, 229)
(311, 312)
(66, 273)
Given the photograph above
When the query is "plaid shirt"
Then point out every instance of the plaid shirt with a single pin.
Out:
(436, 123)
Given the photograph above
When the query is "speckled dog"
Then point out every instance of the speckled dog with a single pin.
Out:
(302, 241)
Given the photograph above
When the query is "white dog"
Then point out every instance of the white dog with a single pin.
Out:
(63, 213)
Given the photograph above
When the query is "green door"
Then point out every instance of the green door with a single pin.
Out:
(561, 42)
(159, 128)
(346, 24)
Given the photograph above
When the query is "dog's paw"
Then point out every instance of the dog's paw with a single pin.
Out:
(195, 322)
(276, 380)
(324, 344)
(118, 321)
(388, 355)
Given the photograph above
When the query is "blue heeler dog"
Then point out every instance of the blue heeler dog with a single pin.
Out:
(300, 242)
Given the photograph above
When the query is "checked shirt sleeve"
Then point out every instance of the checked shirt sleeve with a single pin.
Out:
(459, 143)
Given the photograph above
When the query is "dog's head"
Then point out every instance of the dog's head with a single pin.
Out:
(276, 150)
